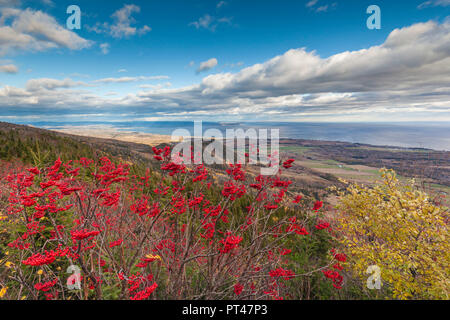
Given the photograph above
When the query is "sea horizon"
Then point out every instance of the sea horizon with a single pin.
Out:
(426, 135)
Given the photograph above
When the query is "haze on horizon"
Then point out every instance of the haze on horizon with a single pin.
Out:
(312, 60)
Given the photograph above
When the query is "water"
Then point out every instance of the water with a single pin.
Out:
(431, 135)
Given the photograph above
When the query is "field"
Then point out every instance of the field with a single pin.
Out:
(362, 164)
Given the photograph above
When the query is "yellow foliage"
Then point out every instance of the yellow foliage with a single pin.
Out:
(150, 256)
(401, 231)
(3, 292)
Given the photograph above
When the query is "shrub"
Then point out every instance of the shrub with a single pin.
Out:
(169, 236)
(399, 229)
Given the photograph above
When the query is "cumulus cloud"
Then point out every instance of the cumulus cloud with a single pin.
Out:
(123, 20)
(9, 68)
(12, 92)
(406, 76)
(207, 65)
(45, 94)
(411, 70)
(414, 56)
(31, 30)
(122, 25)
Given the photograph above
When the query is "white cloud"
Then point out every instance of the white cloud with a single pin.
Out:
(35, 31)
(9, 3)
(123, 20)
(434, 3)
(12, 92)
(209, 22)
(410, 56)
(220, 4)
(122, 70)
(322, 8)
(311, 3)
(121, 27)
(405, 78)
(9, 68)
(155, 86)
(144, 30)
(48, 2)
(203, 22)
(51, 84)
(129, 79)
(207, 65)
(104, 47)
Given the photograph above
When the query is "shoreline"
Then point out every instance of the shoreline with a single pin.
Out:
(107, 132)
(153, 139)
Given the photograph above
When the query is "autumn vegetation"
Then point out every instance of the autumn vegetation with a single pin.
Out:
(403, 231)
(173, 232)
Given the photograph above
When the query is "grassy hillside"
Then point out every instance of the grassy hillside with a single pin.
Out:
(30, 144)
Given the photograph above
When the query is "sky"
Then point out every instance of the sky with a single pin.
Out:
(230, 60)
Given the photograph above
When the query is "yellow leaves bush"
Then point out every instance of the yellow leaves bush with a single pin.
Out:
(400, 230)
(3, 292)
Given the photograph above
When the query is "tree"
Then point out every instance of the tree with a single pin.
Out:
(400, 230)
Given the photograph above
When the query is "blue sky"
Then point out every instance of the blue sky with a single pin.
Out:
(225, 60)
